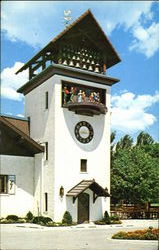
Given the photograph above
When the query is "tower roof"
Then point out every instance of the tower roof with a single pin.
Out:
(84, 31)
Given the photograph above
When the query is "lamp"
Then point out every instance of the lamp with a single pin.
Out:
(61, 193)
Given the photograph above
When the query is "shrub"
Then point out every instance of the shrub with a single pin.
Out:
(107, 218)
(51, 224)
(119, 235)
(12, 217)
(114, 218)
(149, 234)
(67, 218)
(100, 222)
(21, 220)
(41, 220)
(116, 222)
(29, 216)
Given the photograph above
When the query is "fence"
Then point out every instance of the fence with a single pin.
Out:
(132, 212)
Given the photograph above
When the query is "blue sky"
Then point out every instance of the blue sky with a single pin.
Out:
(132, 27)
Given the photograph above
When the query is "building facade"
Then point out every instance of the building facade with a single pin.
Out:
(67, 106)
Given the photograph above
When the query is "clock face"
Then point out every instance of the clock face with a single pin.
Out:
(84, 132)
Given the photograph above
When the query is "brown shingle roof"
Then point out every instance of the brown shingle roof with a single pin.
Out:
(84, 24)
(21, 124)
(83, 185)
(32, 146)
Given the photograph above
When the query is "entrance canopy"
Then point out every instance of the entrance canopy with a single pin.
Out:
(97, 190)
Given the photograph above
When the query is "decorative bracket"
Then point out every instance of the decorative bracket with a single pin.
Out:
(74, 199)
(94, 197)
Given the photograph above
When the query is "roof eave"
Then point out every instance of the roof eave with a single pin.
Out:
(38, 148)
(60, 69)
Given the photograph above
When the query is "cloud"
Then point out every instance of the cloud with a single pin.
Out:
(11, 82)
(37, 22)
(20, 115)
(146, 39)
(13, 115)
(29, 21)
(129, 112)
(125, 14)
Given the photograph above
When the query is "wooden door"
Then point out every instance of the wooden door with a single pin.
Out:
(83, 208)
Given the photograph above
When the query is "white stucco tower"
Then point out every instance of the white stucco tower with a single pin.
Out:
(68, 105)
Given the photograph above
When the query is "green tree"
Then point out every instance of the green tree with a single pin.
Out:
(125, 142)
(152, 150)
(134, 176)
(135, 171)
(144, 139)
(112, 138)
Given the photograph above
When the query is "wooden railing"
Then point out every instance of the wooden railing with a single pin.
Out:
(131, 212)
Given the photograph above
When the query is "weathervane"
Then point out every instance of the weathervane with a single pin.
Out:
(67, 17)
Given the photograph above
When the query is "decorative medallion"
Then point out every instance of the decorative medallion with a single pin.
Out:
(84, 132)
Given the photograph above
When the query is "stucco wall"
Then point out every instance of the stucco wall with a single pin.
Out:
(56, 126)
(22, 201)
(69, 152)
(42, 130)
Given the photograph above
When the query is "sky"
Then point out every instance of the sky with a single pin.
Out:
(131, 26)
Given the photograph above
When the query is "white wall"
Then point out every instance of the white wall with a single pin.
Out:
(56, 126)
(69, 151)
(22, 201)
(42, 130)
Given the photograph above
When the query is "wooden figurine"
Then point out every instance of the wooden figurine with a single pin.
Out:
(80, 96)
(66, 93)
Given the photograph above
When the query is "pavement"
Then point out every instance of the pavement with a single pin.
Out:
(80, 237)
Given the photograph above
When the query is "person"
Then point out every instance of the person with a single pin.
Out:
(66, 93)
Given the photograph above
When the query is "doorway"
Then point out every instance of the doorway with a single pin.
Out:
(83, 208)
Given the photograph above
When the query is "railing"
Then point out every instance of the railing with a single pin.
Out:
(135, 215)
(132, 212)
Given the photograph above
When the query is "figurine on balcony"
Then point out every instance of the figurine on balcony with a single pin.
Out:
(73, 97)
(98, 97)
(95, 96)
(80, 96)
(91, 98)
(66, 94)
(83, 96)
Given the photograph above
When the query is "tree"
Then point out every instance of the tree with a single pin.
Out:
(144, 139)
(135, 176)
(134, 170)
(125, 143)
(112, 138)
(152, 150)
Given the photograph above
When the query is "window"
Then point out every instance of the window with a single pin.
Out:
(3, 184)
(46, 100)
(46, 150)
(83, 165)
(46, 202)
(7, 184)
(29, 124)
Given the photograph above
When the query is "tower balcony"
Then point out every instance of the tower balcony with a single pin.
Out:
(86, 108)
(83, 100)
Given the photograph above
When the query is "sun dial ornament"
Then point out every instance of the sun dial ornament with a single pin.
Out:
(84, 132)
